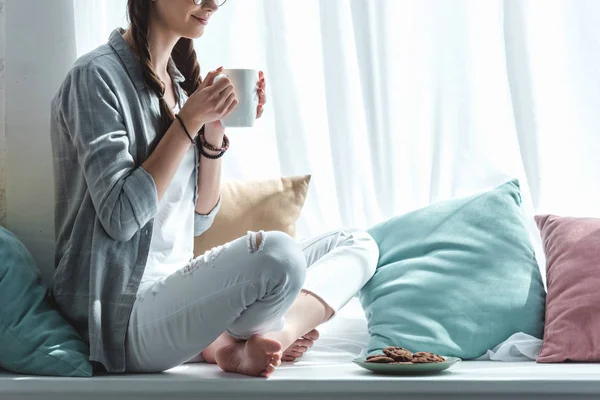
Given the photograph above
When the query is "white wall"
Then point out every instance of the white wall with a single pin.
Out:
(2, 115)
(39, 52)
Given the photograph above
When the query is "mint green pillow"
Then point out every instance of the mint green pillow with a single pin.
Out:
(455, 278)
(34, 338)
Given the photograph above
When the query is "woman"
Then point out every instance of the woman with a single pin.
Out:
(137, 147)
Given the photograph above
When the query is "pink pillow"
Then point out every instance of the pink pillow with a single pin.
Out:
(572, 328)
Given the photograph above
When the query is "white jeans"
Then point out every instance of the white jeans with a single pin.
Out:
(243, 290)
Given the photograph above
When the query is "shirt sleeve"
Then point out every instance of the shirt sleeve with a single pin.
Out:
(203, 222)
(123, 193)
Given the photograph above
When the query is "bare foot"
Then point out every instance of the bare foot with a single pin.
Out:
(258, 356)
(300, 346)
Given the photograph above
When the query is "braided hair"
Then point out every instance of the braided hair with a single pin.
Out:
(183, 55)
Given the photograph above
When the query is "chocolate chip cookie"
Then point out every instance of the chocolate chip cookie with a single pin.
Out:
(398, 353)
(379, 359)
(424, 357)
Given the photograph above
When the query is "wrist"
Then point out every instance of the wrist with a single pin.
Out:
(214, 135)
(193, 124)
(214, 141)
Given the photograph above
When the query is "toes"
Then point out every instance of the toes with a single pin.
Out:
(292, 351)
(276, 356)
(266, 373)
(295, 352)
(276, 359)
(298, 349)
(312, 335)
(288, 359)
(306, 343)
(276, 362)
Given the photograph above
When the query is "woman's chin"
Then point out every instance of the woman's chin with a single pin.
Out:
(194, 34)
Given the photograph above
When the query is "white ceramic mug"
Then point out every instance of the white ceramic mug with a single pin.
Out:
(245, 83)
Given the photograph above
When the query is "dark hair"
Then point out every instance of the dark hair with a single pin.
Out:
(183, 55)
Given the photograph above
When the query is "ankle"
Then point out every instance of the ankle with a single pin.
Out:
(286, 336)
(209, 356)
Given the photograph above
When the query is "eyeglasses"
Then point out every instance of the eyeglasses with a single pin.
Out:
(219, 3)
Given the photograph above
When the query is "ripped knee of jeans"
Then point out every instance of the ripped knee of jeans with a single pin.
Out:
(256, 241)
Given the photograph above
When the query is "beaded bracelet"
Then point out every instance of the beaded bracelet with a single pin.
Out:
(209, 156)
(208, 146)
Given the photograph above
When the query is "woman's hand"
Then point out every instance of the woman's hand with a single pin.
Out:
(213, 131)
(209, 103)
(262, 96)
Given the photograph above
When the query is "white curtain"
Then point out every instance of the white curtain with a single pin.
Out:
(394, 104)
(2, 114)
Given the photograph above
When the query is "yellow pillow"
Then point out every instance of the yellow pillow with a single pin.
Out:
(269, 205)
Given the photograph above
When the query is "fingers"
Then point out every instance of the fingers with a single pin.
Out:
(210, 77)
(225, 93)
(230, 104)
(219, 86)
(227, 99)
(262, 96)
(222, 100)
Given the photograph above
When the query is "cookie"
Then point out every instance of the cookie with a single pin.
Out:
(401, 362)
(423, 357)
(398, 353)
(379, 359)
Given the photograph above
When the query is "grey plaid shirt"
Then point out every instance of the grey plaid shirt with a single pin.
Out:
(103, 127)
